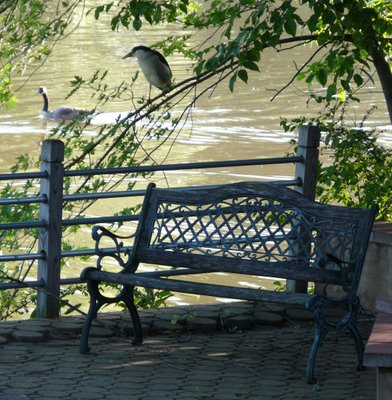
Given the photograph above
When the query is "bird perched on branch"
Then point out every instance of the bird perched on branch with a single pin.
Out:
(154, 67)
(61, 113)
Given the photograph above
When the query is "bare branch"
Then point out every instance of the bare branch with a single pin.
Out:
(297, 73)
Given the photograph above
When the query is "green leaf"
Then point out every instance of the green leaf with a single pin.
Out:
(290, 26)
(137, 24)
(312, 22)
(358, 79)
(183, 7)
(243, 75)
(322, 76)
(98, 11)
(331, 91)
(232, 82)
(251, 65)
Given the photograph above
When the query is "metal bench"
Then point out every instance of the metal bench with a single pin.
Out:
(251, 228)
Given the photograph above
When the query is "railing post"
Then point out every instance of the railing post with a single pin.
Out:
(308, 148)
(52, 157)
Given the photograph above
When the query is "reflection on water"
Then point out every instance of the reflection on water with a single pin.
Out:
(223, 126)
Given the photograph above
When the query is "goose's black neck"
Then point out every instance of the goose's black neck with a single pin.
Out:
(46, 102)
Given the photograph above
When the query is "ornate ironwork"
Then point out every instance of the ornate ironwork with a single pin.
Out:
(248, 228)
(259, 228)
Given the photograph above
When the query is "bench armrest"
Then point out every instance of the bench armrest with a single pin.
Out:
(120, 253)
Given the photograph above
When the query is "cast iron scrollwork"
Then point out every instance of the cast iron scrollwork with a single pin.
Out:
(119, 253)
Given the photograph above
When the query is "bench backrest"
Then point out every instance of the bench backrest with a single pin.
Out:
(254, 228)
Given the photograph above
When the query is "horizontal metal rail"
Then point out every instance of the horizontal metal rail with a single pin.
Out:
(23, 200)
(106, 195)
(21, 285)
(37, 284)
(23, 225)
(89, 252)
(153, 168)
(99, 220)
(139, 193)
(23, 175)
(22, 257)
(41, 256)
(197, 165)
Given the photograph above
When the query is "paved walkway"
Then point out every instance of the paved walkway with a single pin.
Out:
(266, 361)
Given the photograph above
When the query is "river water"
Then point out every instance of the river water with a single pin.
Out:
(223, 125)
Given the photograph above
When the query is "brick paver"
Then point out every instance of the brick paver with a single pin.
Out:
(266, 362)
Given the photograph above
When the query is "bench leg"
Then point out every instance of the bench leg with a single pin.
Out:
(319, 305)
(130, 304)
(97, 300)
(91, 315)
(352, 327)
(318, 339)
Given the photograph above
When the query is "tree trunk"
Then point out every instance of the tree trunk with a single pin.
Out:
(385, 75)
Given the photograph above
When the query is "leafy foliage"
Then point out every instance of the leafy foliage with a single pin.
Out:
(14, 302)
(26, 26)
(357, 173)
(151, 298)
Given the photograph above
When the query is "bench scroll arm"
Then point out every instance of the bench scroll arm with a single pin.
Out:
(119, 252)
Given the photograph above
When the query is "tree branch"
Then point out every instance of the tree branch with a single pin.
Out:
(297, 73)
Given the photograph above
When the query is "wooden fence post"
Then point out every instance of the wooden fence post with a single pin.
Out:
(308, 147)
(52, 156)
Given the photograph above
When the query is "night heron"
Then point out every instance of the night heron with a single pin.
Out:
(154, 67)
(61, 113)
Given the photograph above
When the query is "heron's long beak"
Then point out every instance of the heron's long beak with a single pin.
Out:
(130, 54)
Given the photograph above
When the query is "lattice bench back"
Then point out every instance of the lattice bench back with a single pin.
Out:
(253, 228)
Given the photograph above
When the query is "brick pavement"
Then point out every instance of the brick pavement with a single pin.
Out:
(266, 361)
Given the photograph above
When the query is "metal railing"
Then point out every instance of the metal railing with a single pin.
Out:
(51, 199)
